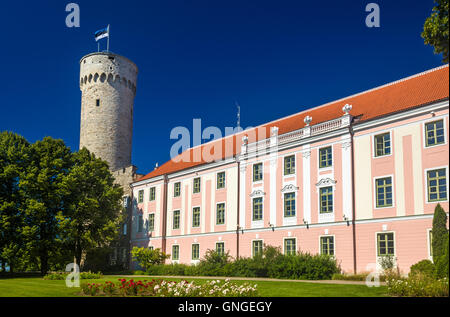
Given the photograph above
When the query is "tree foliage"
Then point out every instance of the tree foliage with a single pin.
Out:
(54, 204)
(147, 257)
(14, 157)
(91, 215)
(439, 232)
(436, 31)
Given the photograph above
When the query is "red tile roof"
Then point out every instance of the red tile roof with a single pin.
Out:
(410, 92)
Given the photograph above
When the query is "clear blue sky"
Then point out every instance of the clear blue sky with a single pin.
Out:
(276, 57)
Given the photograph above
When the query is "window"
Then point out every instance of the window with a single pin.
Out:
(325, 157)
(434, 133)
(175, 252)
(97, 102)
(152, 193)
(124, 229)
(221, 180)
(140, 223)
(257, 172)
(289, 247)
(150, 248)
(383, 144)
(196, 217)
(197, 185)
(176, 219)
(141, 196)
(151, 222)
(385, 242)
(176, 189)
(289, 165)
(384, 192)
(257, 247)
(326, 199)
(220, 214)
(257, 209)
(220, 248)
(327, 245)
(289, 205)
(437, 185)
(195, 251)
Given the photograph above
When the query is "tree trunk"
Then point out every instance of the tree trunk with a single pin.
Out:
(78, 254)
(44, 264)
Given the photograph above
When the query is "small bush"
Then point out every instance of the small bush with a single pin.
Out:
(425, 267)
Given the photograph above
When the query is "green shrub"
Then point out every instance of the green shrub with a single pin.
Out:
(425, 267)
(439, 232)
(271, 263)
(83, 275)
(442, 263)
(147, 257)
(213, 263)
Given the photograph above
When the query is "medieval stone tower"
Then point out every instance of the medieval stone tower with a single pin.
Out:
(108, 87)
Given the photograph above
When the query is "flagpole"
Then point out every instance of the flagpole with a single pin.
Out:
(98, 46)
(107, 49)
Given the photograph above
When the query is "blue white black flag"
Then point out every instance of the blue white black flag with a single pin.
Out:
(102, 33)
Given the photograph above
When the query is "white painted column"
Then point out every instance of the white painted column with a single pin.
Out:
(306, 153)
(346, 177)
(273, 161)
(242, 181)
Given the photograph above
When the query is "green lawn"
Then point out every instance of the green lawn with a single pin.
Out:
(37, 287)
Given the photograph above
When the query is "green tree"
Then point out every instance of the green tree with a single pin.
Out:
(147, 257)
(91, 214)
(439, 232)
(436, 31)
(14, 157)
(50, 161)
(442, 263)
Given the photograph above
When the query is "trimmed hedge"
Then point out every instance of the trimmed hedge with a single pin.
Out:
(83, 275)
(272, 263)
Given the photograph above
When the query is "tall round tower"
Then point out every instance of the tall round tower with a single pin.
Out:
(108, 86)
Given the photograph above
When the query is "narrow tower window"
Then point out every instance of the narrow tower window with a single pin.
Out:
(97, 102)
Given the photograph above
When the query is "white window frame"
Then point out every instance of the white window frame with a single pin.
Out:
(262, 179)
(192, 217)
(284, 244)
(374, 147)
(225, 180)
(375, 192)
(424, 135)
(334, 243)
(224, 213)
(262, 240)
(171, 256)
(328, 168)
(426, 183)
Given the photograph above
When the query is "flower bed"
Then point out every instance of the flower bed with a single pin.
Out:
(163, 288)
(418, 286)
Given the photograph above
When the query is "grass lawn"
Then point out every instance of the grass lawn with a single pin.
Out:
(37, 287)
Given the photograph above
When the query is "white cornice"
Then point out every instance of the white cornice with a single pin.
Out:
(390, 118)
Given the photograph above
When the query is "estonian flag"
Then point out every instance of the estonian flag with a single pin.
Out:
(102, 33)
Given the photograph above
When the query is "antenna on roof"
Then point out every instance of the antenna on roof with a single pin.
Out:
(238, 114)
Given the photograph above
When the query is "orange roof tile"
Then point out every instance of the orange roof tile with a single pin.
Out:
(410, 92)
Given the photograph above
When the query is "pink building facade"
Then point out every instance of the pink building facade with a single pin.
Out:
(357, 178)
